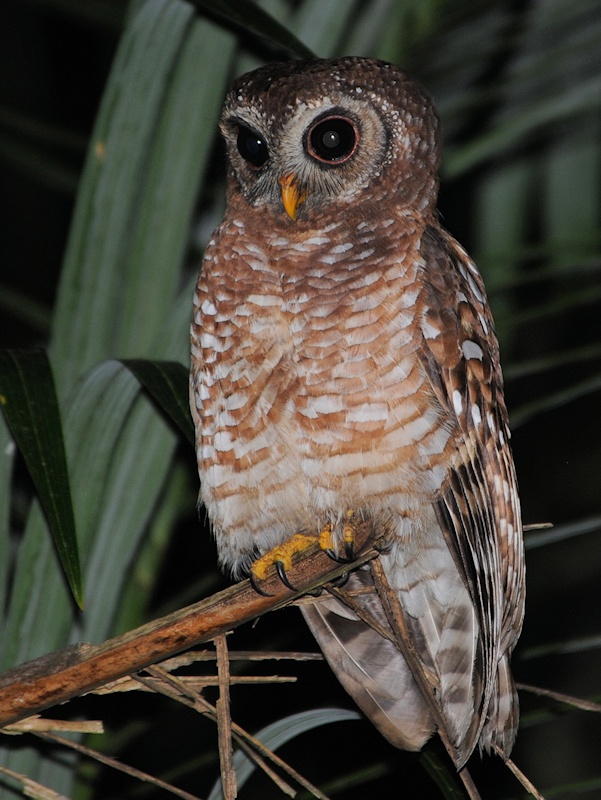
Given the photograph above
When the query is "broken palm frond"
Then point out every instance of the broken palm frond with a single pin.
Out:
(37, 724)
(32, 788)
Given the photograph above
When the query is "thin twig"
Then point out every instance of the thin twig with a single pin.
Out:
(224, 722)
(346, 598)
(114, 764)
(468, 782)
(168, 685)
(196, 682)
(584, 705)
(513, 768)
(193, 656)
(252, 754)
(396, 618)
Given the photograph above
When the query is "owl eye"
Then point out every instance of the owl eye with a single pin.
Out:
(252, 147)
(333, 139)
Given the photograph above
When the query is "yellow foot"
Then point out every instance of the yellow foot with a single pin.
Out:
(348, 535)
(327, 540)
(281, 556)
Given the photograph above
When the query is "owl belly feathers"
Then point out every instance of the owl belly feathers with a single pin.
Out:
(325, 407)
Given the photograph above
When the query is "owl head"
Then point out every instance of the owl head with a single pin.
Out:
(313, 136)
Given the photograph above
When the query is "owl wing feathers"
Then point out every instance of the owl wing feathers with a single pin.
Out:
(478, 508)
(370, 667)
(464, 646)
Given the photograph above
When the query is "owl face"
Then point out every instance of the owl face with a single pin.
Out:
(302, 136)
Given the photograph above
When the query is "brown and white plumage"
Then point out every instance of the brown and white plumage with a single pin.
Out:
(344, 357)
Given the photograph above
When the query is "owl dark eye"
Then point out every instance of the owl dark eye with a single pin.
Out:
(252, 147)
(333, 139)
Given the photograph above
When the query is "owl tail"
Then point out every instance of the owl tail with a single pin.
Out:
(502, 720)
(370, 668)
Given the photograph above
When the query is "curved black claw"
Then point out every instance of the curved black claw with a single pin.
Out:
(340, 580)
(256, 586)
(349, 554)
(279, 567)
(349, 550)
(335, 557)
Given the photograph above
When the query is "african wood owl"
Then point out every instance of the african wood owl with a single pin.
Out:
(344, 360)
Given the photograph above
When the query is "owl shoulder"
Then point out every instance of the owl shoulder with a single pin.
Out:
(460, 350)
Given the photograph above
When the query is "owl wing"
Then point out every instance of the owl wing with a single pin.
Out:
(370, 666)
(477, 510)
(478, 506)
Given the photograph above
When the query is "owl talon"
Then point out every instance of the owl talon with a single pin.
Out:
(340, 581)
(327, 541)
(281, 558)
(334, 556)
(280, 568)
(257, 588)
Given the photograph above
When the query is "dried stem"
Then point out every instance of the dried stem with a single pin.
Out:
(515, 770)
(115, 764)
(568, 699)
(224, 722)
(161, 681)
(396, 618)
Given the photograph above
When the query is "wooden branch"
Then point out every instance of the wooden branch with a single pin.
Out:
(61, 676)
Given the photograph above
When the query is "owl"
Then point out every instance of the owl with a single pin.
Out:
(345, 364)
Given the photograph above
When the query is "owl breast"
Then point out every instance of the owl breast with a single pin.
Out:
(309, 392)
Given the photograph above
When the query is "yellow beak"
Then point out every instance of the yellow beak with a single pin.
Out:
(292, 196)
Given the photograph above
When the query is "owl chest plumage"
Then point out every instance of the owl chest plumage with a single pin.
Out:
(324, 405)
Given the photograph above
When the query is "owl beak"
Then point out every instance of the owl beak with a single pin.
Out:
(292, 196)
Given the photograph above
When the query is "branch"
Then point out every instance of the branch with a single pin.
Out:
(224, 722)
(35, 686)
